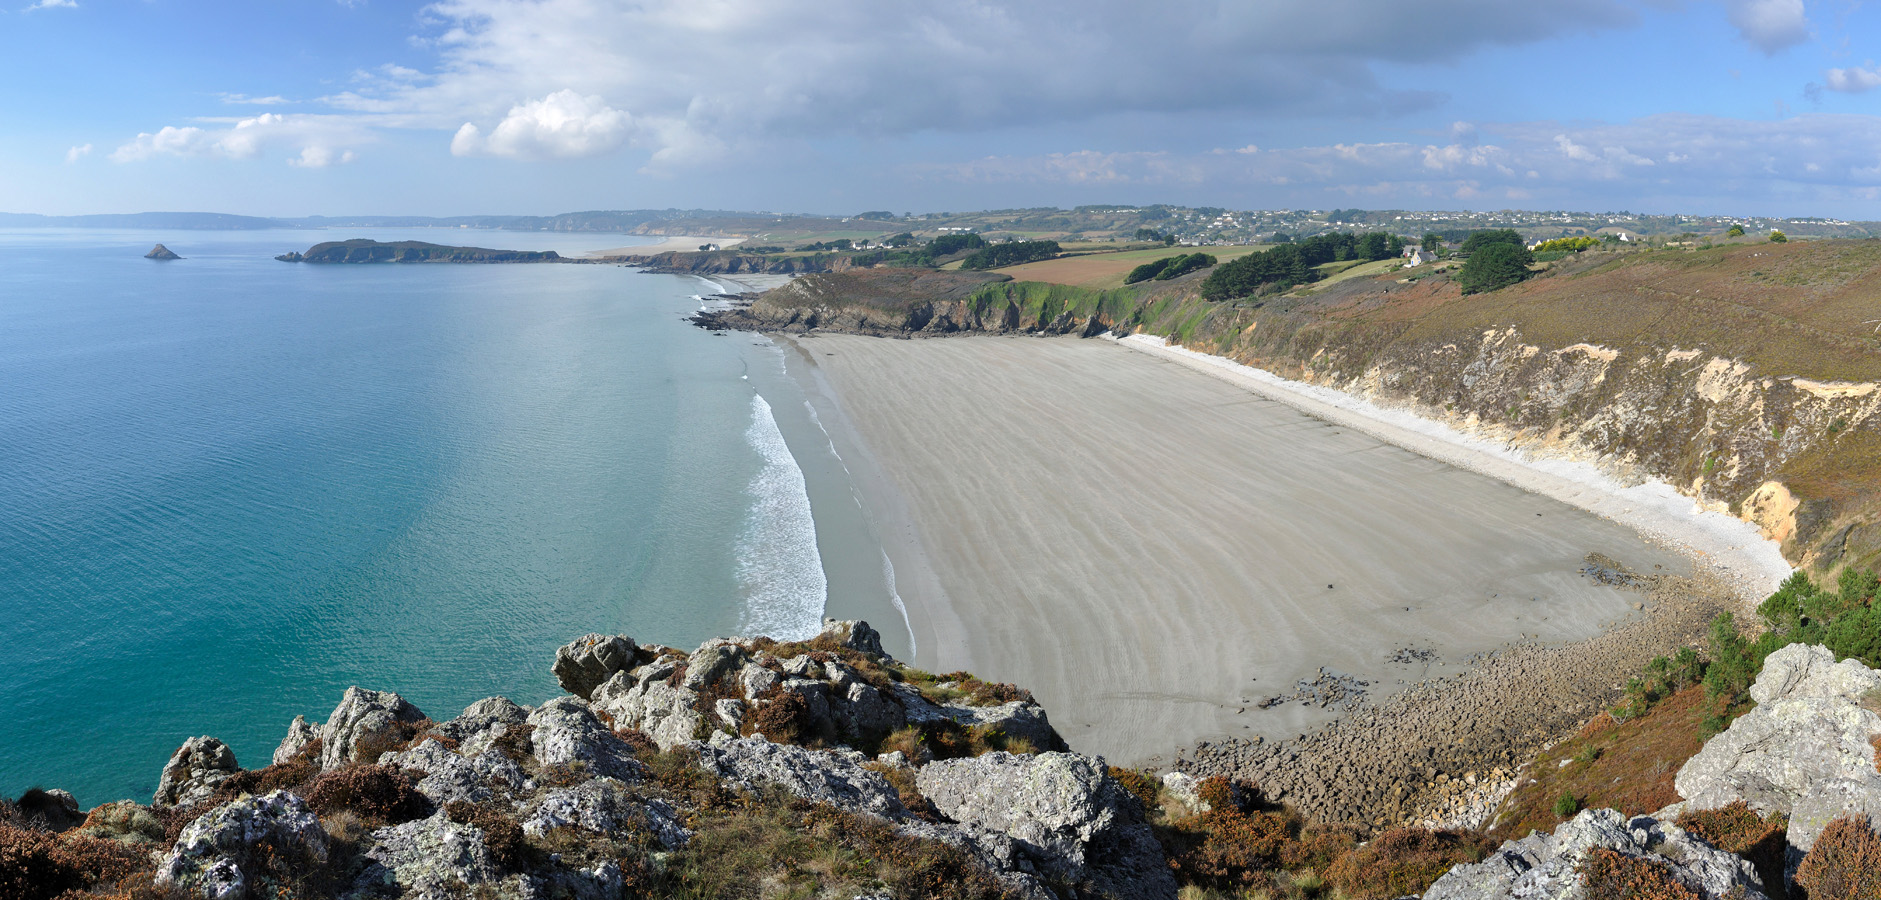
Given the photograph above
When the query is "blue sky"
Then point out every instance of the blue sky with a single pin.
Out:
(1765, 107)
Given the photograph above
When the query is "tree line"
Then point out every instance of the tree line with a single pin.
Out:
(1293, 264)
(1169, 267)
(1011, 254)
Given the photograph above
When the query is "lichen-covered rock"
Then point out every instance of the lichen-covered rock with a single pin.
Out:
(482, 723)
(125, 822)
(1547, 866)
(835, 777)
(450, 776)
(1065, 812)
(605, 807)
(432, 857)
(360, 724)
(644, 700)
(300, 733)
(1808, 739)
(856, 635)
(587, 662)
(568, 734)
(1019, 718)
(865, 713)
(194, 771)
(220, 854)
(715, 661)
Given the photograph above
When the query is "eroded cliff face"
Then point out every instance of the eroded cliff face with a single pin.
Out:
(1783, 452)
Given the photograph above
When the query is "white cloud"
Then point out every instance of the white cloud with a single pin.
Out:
(73, 155)
(53, 4)
(328, 137)
(244, 99)
(1853, 80)
(1771, 25)
(561, 125)
(317, 157)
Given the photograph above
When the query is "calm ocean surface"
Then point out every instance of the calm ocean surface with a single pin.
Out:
(231, 487)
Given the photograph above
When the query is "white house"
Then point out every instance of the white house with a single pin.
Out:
(1416, 257)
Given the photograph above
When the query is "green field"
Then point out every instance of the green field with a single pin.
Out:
(1104, 271)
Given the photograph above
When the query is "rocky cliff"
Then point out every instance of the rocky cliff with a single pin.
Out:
(731, 262)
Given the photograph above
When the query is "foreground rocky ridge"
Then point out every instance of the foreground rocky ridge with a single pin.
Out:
(824, 768)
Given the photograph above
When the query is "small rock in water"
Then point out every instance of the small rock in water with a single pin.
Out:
(161, 252)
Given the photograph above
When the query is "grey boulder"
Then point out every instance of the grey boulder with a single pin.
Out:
(605, 807)
(432, 857)
(362, 726)
(835, 777)
(1548, 866)
(194, 771)
(1064, 812)
(449, 776)
(567, 733)
(1804, 751)
(644, 700)
(587, 662)
(215, 854)
(482, 723)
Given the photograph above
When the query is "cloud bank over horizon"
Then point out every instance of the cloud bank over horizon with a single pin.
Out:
(1462, 101)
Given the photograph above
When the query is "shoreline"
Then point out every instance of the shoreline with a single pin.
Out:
(1734, 550)
(681, 243)
(1144, 650)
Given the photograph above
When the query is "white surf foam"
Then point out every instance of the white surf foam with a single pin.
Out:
(779, 566)
(1728, 546)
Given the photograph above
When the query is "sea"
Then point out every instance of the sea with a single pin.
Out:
(231, 487)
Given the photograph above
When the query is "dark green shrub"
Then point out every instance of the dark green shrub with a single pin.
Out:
(1566, 805)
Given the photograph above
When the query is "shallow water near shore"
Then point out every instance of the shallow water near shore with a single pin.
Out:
(231, 487)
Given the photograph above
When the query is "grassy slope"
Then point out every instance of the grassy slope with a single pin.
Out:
(1105, 271)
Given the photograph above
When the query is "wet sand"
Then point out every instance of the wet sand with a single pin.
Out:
(1153, 552)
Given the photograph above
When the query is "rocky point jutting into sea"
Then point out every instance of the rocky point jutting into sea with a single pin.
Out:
(826, 768)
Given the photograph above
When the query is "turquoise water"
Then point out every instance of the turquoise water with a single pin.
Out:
(230, 487)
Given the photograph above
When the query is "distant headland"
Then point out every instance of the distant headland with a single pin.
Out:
(361, 250)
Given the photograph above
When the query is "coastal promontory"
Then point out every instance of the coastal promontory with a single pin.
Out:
(362, 250)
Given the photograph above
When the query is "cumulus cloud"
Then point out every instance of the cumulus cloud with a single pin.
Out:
(53, 4)
(562, 125)
(76, 153)
(1854, 80)
(248, 138)
(1770, 25)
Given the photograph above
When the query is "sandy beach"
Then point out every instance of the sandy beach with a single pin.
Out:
(1154, 552)
(687, 243)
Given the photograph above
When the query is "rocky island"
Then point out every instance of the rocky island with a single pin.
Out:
(361, 250)
(161, 252)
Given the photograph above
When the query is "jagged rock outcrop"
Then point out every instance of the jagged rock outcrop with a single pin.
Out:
(482, 724)
(568, 734)
(1549, 866)
(1064, 811)
(194, 771)
(835, 777)
(161, 252)
(586, 662)
(364, 724)
(221, 854)
(300, 733)
(1804, 751)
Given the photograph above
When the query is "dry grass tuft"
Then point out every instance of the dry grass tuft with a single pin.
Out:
(1614, 876)
(383, 794)
(1403, 861)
